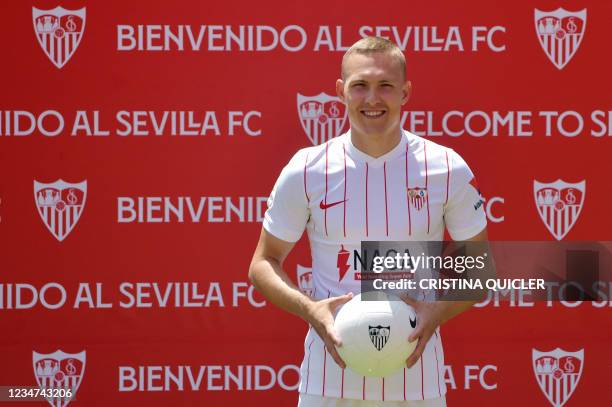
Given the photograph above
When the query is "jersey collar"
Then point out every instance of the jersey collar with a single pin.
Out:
(359, 155)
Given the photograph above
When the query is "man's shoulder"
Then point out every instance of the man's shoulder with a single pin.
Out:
(311, 155)
(421, 146)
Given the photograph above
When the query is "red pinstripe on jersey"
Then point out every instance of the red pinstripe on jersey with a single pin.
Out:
(426, 183)
(324, 359)
(422, 379)
(363, 388)
(407, 197)
(344, 216)
(437, 367)
(308, 363)
(305, 188)
(366, 199)
(383, 389)
(447, 177)
(404, 383)
(325, 200)
(386, 209)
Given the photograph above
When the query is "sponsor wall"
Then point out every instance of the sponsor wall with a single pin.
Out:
(139, 142)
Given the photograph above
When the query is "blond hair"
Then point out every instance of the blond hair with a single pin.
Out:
(370, 45)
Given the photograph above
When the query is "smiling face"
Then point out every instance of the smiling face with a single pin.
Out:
(374, 89)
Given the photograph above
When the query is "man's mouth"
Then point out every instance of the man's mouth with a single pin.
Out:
(373, 114)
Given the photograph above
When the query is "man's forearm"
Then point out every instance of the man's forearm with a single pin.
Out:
(268, 276)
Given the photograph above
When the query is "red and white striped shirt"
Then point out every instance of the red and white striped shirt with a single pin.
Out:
(342, 196)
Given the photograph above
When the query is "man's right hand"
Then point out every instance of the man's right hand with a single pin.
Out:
(321, 317)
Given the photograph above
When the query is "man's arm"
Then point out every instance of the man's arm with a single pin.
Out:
(267, 275)
(432, 314)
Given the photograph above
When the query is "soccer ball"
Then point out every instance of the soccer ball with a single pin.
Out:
(374, 333)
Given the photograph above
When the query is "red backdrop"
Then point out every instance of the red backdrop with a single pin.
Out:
(118, 66)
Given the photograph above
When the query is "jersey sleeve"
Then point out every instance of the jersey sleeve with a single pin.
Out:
(464, 213)
(288, 212)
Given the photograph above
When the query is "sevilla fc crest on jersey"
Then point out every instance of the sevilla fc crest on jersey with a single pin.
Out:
(59, 32)
(322, 116)
(559, 204)
(379, 335)
(60, 371)
(60, 205)
(558, 373)
(304, 277)
(560, 33)
(418, 197)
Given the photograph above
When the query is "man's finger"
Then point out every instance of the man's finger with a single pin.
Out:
(415, 334)
(331, 349)
(333, 336)
(416, 354)
(342, 299)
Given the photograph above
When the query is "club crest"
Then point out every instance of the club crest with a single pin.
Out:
(60, 205)
(322, 116)
(379, 335)
(59, 32)
(559, 204)
(59, 370)
(560, 33)
(418, 197)
(304, 277)
(557, 373)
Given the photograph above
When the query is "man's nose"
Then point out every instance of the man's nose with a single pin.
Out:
(372, 96)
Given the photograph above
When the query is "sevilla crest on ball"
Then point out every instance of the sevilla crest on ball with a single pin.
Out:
(304, 277)
(560, 33)
(558, 373)
(559, 204)
(322, 116)
(59, 32)
(59, 370)
(60, 205)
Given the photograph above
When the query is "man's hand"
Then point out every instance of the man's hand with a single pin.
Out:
(429, 317)
(321, 317)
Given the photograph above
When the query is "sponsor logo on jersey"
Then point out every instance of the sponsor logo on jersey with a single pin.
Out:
(59, 32)
(59, 370)
(481, 200)
(324, 206)
(418, 197)
(379, 335)
(60, 205)
(342, 262)
(560, 33)
(559, 204)
(557, 373)
(304, 278)
(322, 116)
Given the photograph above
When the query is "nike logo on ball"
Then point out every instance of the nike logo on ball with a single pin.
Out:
(412, 322)
(325, 206)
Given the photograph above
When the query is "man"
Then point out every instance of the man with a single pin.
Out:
(376, 182)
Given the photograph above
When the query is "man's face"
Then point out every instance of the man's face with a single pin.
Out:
(374, 90)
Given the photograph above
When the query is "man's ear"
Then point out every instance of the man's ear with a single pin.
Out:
(407, 89)
(340, 90)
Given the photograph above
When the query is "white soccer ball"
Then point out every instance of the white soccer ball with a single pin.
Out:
(374, 334)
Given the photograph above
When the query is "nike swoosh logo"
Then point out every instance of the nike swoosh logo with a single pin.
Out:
(412, 322)
(325, 206)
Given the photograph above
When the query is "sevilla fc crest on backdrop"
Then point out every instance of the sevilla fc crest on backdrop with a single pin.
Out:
(559, 204)
(59, 370)
(322, 116)
(560, 33)
(558, 373)
(60, 205)
(59, 32)
(304, 277)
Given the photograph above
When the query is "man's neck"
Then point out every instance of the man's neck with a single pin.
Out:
(376, 145)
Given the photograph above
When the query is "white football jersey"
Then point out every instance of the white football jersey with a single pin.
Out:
(343, 196)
